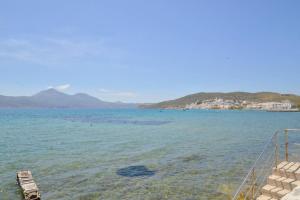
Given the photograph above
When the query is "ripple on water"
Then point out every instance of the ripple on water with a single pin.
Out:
(97, 120)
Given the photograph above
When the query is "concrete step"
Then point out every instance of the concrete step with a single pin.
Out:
(279, 182)
(272, 180)
(297, 174)
(263, 197)
(295, 184)
(288, 171)
(294, 195)
(266, 190)
(279, 166)
(282, 193)
(291, 172)
(285, 177)
(283, 170)
(287, 184)
(274, 192)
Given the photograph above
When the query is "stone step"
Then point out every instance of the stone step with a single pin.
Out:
(287, 184)
(282, 193)
(294, 195)
(27, 184)
(285, 177)
(279, 182)
(291, 172)
(274, 192)
(263, 197)
(272, 180)
(266, 190)
(276, 170)
(295, 184)
(283, 170)
(297, 174)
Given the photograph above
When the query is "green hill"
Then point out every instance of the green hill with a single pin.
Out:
(238, 96)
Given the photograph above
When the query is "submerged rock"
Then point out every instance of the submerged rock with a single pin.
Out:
(135, 171)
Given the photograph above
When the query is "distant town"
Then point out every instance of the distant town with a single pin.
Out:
(267, 101)
(222, 104)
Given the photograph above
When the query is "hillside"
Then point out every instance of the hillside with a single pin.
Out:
(259, 97)
(52, 98)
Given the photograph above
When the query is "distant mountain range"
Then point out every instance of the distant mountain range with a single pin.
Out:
(52, 98)
(236, 96)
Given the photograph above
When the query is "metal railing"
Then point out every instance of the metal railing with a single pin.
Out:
(286, 134)
(251, 186)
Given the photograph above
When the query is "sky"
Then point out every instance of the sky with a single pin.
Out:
(149, 51)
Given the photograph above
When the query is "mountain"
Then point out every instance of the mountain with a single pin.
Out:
(259, 97)
(52, 98)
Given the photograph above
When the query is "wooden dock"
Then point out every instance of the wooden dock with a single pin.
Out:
(28, 186)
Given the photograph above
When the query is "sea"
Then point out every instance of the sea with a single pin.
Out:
(133, 154)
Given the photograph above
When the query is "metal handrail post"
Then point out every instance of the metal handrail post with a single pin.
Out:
(253, 184)
(276, 151)
(286, 145)
(250, 175)
(253, 172)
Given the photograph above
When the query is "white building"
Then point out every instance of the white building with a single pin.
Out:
(286, 105)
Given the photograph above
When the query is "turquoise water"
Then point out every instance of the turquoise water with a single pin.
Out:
(76, 154)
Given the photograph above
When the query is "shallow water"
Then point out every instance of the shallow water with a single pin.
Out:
(77, 154)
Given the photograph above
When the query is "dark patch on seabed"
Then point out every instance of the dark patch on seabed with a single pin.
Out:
(116, 121)
(193, 157)
(135, 171)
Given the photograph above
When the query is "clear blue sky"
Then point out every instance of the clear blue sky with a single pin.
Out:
(147, 51)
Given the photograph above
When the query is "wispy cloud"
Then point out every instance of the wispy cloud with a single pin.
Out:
(54, 51)
(61, 88)
(116, 94)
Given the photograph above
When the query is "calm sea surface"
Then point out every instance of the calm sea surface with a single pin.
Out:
(133, 154)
